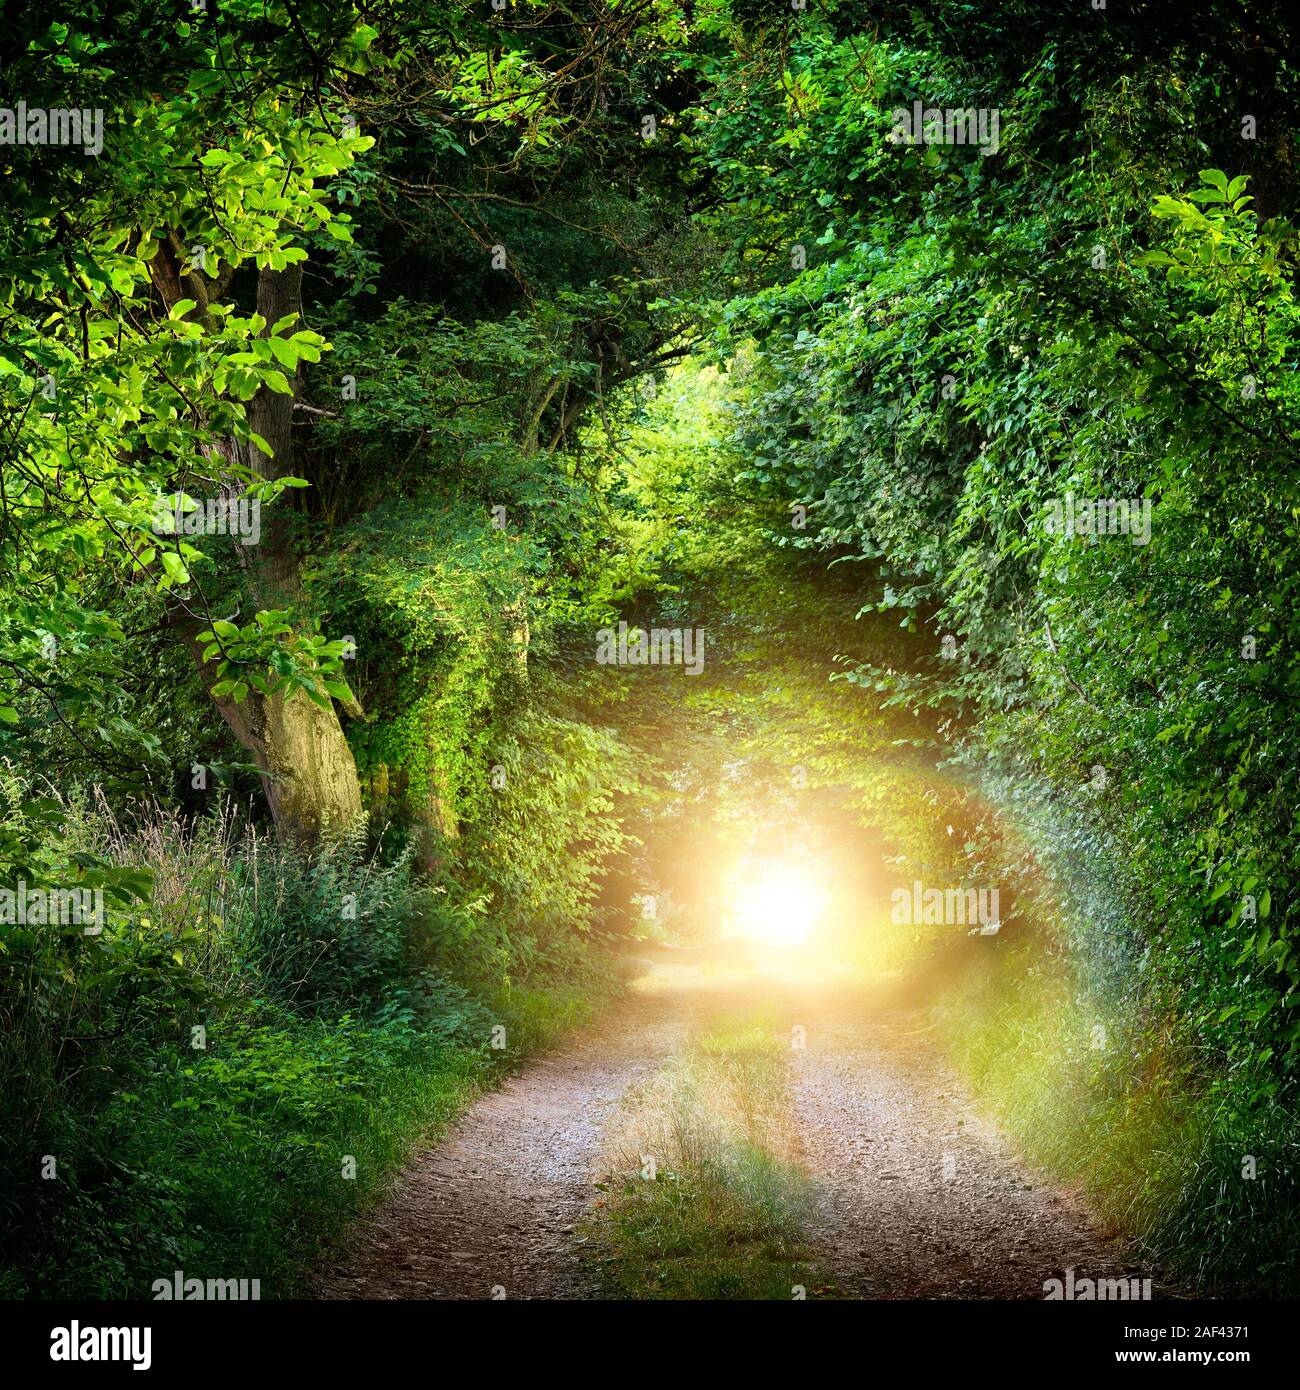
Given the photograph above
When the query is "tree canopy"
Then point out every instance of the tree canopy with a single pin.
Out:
(361, 363)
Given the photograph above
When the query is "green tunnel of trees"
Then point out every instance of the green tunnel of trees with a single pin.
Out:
(361, 363)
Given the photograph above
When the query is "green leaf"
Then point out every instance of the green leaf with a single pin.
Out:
(174, 567)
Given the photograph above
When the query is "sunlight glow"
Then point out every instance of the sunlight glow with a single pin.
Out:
(779, 905)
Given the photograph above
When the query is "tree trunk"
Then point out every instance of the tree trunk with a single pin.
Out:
(437, 823)
(308, 772)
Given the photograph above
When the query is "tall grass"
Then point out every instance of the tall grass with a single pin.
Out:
(231, 1071)
(1195, 1164)
(704, 1198)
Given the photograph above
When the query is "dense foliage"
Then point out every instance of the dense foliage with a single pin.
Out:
(513, 324)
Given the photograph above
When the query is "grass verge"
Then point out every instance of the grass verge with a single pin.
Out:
(703, 1195)
(1199, 1170)
(252, 1157)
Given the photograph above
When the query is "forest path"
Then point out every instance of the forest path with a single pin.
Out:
(916, 1196)
(494, 1206)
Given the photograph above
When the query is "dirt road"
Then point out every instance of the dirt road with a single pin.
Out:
(916, 1195)
(493, 1208)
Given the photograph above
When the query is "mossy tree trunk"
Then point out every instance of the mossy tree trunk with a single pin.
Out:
(307, 769)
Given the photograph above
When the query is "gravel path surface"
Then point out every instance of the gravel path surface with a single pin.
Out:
(493, 1207)
(917, 1197)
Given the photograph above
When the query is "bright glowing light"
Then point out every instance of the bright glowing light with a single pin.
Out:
(779, 905)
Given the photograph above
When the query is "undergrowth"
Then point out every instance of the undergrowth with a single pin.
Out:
(703, 1198)
(232, 1071)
